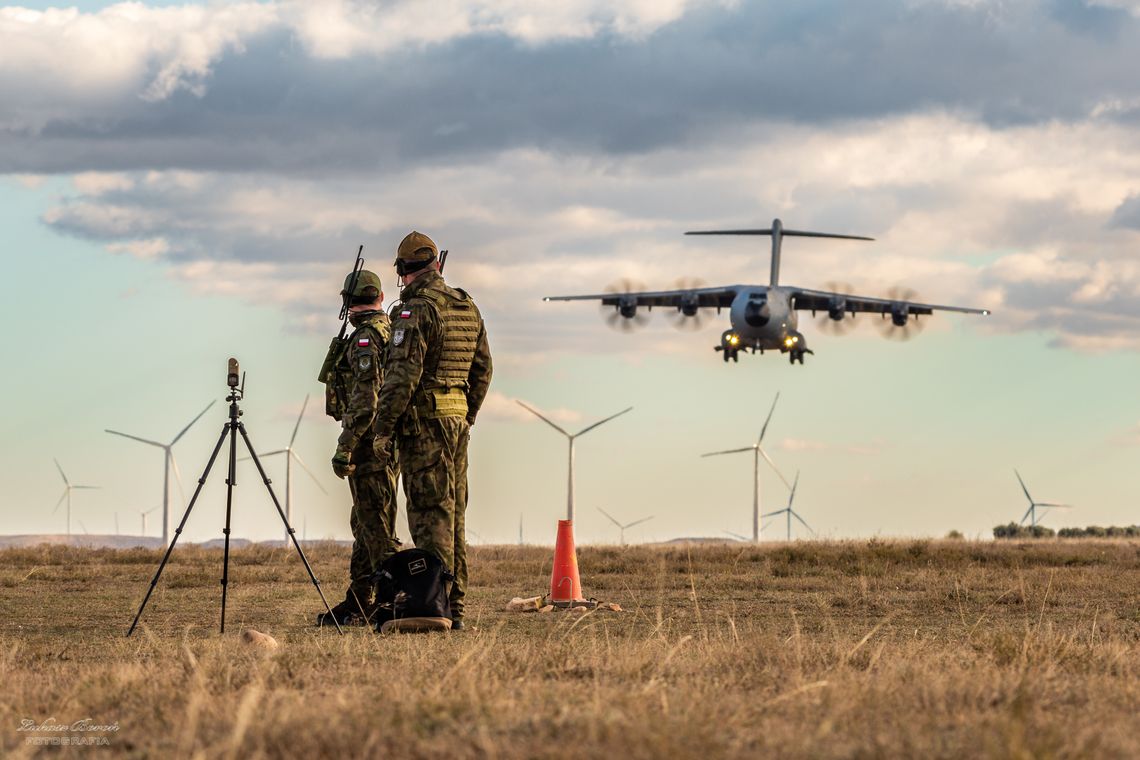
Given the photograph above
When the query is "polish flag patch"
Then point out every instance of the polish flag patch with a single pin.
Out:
(406, 314)
(363, 342)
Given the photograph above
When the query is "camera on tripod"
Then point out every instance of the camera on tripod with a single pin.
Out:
(232, 376)
(232, 429)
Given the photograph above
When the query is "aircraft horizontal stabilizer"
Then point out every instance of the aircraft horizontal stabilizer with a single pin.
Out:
(791, 233)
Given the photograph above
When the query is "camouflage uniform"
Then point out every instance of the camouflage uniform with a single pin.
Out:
(353, 373)
(436, 377)
(372, 482)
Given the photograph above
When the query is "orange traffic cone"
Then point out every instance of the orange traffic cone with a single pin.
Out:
(565, 587)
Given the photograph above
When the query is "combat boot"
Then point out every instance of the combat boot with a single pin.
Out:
(347, 612)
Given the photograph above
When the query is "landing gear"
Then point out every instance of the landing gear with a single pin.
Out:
(730, 352)
(798, 355)
(730, 345)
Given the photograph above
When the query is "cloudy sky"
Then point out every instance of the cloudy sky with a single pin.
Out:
(181, 182)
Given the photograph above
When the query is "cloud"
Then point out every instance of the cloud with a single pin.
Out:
(501, 407)
(248, 149)
(352, 87)
(806, 445)
(1129, 437)
(145, 249)
(1012, 219)
(1127, 214)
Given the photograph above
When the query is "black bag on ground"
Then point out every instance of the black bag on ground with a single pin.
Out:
(412, 583)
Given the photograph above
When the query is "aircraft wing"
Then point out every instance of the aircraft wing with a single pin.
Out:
(822, 300)
(712, 298)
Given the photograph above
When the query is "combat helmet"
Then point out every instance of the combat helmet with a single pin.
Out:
(365, 287)
(415, 252)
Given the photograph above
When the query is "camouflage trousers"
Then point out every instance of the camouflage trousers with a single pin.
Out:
(434, 467)
(373, 523)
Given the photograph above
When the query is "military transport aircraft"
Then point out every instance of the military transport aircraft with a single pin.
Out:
(764, 317)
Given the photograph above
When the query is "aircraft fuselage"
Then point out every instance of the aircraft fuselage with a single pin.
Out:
(763, 319)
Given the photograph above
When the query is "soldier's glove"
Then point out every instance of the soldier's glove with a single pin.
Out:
(342, 464)
(382, 450)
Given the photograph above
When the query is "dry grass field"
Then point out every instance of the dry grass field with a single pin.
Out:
(854, 649)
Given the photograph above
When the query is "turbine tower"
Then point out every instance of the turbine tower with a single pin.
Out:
(758, 451)
(290, 455)
(143, 515)
(67, 489)
(1031, 513)
(623, 527)
(571, 438)
(789, 511)
(169, 464)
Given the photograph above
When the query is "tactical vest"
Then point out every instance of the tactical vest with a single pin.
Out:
(336, 371)
(447, 365)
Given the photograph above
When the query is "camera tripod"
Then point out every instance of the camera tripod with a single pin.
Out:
(231, 429)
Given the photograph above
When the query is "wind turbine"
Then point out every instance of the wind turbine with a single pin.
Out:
(789, 511)
(67, 489)
(623, 527)
(169, 464)
(520, 529)
(1031, 513)
(758, 451)
(143, 515)
(291, 454)
(571, 438)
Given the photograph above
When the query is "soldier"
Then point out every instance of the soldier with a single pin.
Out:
(437, 375)
(351, 395)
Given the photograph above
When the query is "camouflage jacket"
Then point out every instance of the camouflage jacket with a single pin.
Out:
(419, 333)
(362, 368)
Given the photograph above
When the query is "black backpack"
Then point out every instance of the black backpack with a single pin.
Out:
(412, 583)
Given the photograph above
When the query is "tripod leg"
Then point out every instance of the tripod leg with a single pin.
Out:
(288, 527)
(181, 525)
(231, 481)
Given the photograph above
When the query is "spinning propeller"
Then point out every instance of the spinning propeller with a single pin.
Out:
(689, 315)
(827, 321)
(625, 316)
(898, 323)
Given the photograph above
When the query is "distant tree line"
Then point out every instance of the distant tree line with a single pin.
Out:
(1013, 530)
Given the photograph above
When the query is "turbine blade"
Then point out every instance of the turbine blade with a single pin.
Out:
(60, 502)
(1041, 504)
(88, 488)
(298, 425)
(583, 431)
(310, 472)
(737, 536)
(136, 438)
(544, 419)
(768, 459)
(1022, 520)
(792, 495)
(1023, 488)
(150, 510)
(764, 429)
(177, 478)
(65, 481)
(730, 451)
(192, 422)
(773, 514)
(267, 454)
(802, 522)
(638, 522)
(611, 517)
